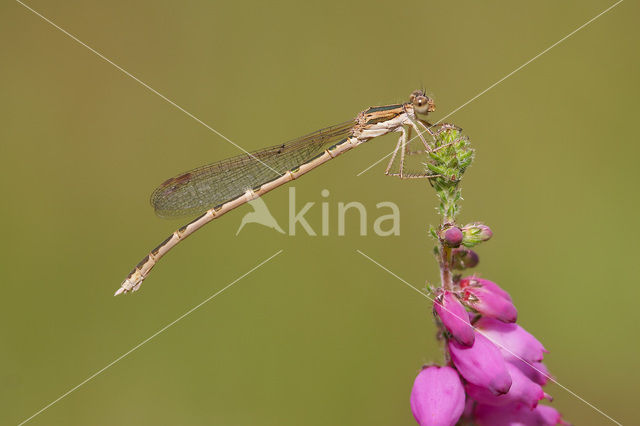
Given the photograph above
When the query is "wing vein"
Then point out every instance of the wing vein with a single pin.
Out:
(209, 186)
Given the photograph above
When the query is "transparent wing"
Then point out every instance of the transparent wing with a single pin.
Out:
(212, 185)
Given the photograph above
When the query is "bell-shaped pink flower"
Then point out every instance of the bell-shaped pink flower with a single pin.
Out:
(489, 285)
(522, 391)
(437, 397)
(490, 303)
(513, 341)
(549, 416)
(481, 364)
(516, 414)
(536, 371)
(455, 318)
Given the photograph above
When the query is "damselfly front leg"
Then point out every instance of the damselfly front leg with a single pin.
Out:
(400, 147)
(412, 123)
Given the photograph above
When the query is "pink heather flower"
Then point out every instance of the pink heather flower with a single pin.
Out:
(516, 415)
(523, 391)
(455, 318)
(536, 371)
(549, 415)
(481, 364)
(513, 341)
(437, 397)
(490, 304)
(489, 285)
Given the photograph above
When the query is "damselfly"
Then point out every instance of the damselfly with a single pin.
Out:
(220, 187)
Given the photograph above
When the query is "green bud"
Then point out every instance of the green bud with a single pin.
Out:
(450, 156)
(475, 233)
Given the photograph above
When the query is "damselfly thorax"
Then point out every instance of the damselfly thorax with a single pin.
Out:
(217, 188)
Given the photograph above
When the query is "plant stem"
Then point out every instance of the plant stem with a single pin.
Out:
(449, 208)
(445, 267)
(451, 155)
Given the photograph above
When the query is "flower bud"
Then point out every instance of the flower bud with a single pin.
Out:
(523, 391)
(490, 304)
(463, 258)
(454, 317)
(514, 342)
(481, 364)
(451, 237)
(475, 233)
(437, 397)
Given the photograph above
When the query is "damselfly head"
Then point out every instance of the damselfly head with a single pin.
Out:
(422, 104)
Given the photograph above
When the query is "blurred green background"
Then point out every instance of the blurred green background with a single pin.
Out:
(319, 335)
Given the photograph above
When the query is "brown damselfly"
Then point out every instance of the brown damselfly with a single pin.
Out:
(217, 188)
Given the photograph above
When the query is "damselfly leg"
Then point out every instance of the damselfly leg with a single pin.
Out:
(416, 171)
(400, 146)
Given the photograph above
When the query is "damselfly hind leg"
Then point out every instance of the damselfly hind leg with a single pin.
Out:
(399, 146)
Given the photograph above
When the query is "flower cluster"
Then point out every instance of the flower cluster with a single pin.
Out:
(493, 373)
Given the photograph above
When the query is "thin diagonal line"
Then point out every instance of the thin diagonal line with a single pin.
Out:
(149, 338)
(503, 79)
(76, 39)
(496, 343)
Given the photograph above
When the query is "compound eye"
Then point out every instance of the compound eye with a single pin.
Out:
(422, 103)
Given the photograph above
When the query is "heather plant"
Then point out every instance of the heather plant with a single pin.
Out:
(493, 371)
